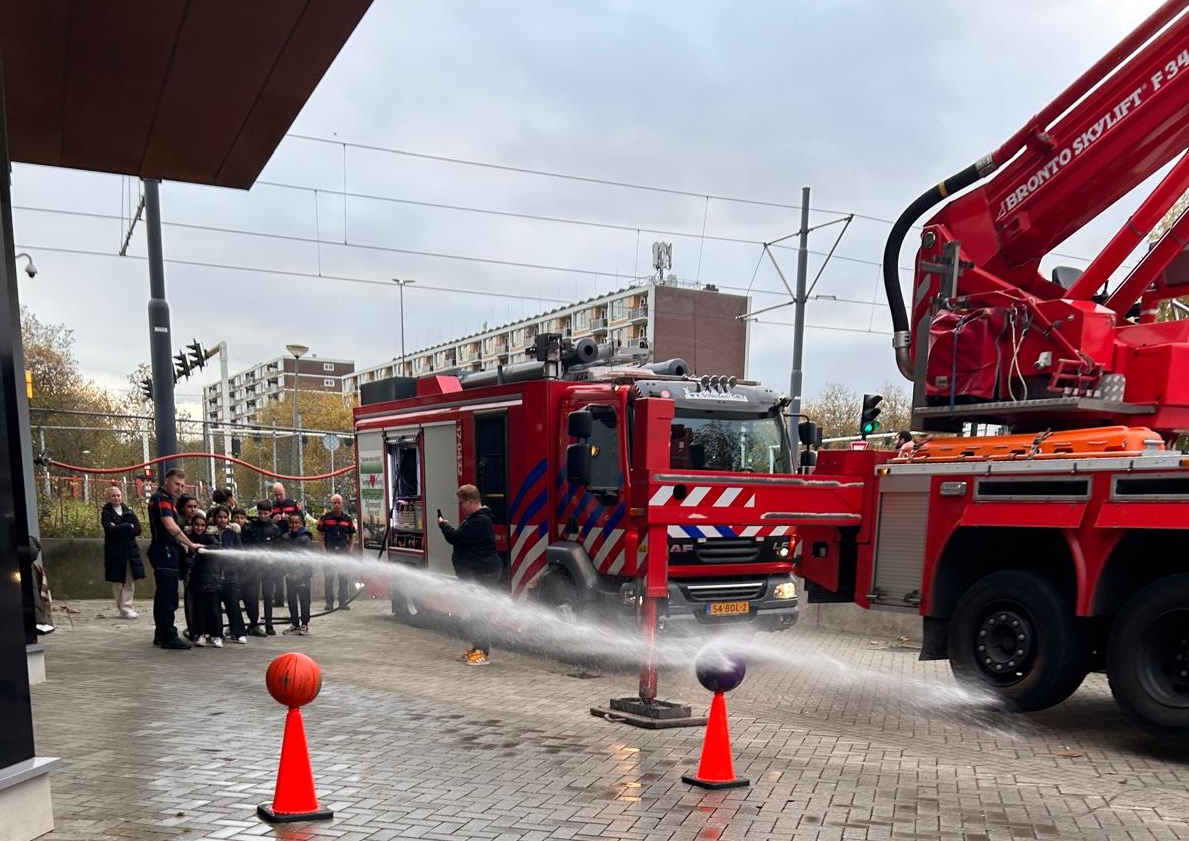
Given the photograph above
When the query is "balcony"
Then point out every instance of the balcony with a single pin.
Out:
(638, 314)
(598, 325)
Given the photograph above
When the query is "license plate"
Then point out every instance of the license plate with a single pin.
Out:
(728, 608)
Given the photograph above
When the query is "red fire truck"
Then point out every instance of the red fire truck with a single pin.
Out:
(557, 447)
(1060, 547)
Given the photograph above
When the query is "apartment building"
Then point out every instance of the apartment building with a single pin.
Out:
(253, 388)
(650, 322)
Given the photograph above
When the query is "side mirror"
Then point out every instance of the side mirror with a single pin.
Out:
(809, 433)
(578, 458)
(579, 424)
(808, 461)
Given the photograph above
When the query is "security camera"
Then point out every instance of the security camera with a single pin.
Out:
(31, 268)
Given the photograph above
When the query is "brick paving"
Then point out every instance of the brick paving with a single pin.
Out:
(844, 738)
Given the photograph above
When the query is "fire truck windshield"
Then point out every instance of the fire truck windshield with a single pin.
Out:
(728, 442)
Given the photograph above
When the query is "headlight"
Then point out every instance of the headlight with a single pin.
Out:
(787, 590)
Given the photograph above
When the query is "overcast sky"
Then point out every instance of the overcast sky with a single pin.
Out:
(868, 103)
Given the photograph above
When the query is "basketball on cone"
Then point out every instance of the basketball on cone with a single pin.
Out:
(293, 679)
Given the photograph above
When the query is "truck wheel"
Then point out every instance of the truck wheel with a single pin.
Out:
(560, 594)
(1013, 634)
(1147, 659)
(407, 608)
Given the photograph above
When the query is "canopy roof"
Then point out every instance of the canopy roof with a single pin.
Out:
(181, 90)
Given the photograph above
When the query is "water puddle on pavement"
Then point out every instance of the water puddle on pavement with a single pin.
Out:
(535, 628)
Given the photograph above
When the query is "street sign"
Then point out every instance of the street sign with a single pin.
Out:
(860, 445)
(331, 441)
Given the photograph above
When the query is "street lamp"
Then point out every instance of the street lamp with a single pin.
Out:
(297, 352)
(402, 284)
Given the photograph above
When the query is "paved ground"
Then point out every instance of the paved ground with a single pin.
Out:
(843, 737)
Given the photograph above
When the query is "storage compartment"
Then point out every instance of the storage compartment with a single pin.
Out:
(407, 526)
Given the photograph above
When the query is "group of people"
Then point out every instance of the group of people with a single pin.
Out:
(222, 582)
(218, 582)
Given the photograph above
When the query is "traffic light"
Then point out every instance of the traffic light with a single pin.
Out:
(867, 420)
(146, 388)
(181, 366)
(197, 355)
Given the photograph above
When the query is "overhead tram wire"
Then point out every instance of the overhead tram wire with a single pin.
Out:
(609, 182)
(512, 214)
(434, 255)
(284, 273)
(414, 252)
(585, 179)
(447, 289)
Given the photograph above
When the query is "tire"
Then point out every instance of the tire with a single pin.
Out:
(559, 594)
(1147, 658)
(408, 609)
(1013, 634)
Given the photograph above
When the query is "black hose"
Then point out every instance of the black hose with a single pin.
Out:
(891, 251)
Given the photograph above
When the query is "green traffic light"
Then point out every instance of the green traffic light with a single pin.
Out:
(869, 428)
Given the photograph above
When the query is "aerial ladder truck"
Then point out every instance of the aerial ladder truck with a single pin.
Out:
(1060, 546)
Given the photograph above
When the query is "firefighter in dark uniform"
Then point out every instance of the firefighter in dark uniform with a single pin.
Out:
(166, 548)
(338, 535)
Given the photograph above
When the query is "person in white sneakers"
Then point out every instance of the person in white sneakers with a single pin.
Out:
(122, 565)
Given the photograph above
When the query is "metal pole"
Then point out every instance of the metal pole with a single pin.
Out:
(296, 420)
(274, 458)
(402, 328)
(208, 447)
(164, 410)
(41, 449)
(301, 466)
(225, 384)
(402, 283)
(799, 328)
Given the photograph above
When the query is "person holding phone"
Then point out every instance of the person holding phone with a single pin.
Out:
(474, 558)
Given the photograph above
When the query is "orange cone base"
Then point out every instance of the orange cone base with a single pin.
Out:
(265, 812)
(716, 769)
(295, 799)
(738, 782)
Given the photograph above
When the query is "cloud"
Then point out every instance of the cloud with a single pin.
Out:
(870, 103)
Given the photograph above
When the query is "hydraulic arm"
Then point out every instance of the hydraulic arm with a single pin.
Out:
(988, 336)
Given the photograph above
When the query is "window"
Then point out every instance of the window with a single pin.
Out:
(328, 382)
(581, 320)
(328, 366)
(732, 443)
(619, 309)
(604, 440)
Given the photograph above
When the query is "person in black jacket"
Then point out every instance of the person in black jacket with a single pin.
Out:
(474, 558)
(121, 559)
(204, 586)
(227, 571)
(259, 534)
(298, 574)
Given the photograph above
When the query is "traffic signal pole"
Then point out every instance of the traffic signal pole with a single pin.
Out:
(164, 409)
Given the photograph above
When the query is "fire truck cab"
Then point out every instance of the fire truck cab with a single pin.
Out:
(574, 456)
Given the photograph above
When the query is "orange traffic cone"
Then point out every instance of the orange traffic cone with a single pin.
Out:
(294, 798)
(716, 769)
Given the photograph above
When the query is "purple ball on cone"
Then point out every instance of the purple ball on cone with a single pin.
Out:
(719, 670)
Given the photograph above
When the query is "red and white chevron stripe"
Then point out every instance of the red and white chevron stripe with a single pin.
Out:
(700, 495)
